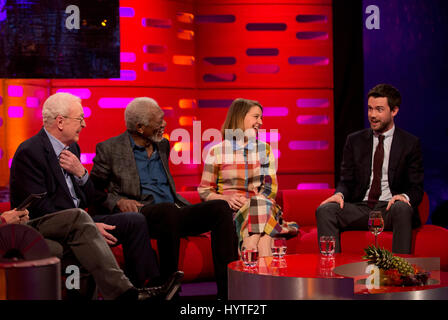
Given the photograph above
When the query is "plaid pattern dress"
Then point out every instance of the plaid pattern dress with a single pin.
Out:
(249, 170)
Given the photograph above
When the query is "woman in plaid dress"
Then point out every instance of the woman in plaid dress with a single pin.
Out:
(241, 170)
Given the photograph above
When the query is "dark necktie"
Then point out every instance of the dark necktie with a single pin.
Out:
(375, 188)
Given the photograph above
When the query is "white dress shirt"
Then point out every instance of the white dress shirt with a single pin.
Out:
(386, 194)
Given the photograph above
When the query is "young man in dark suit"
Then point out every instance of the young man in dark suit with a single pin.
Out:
(49, 162)
(382, 169)
(133, 167)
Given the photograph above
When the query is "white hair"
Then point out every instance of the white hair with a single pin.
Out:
(57, 104)
(139, 111)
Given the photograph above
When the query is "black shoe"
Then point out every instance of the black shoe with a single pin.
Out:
(151, 293)
(172, 285)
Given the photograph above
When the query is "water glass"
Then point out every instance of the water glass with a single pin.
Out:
(249, 257)
(278, 247)
(326, 266)
(326, 245)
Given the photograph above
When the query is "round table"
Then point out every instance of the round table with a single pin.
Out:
(315, 277)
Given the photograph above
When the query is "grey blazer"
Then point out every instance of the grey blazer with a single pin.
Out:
(115, 171)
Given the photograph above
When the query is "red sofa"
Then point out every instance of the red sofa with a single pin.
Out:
(300, 205)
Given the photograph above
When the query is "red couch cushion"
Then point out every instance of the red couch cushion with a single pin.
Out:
(300, 205)
(191, 196)
(4, 206)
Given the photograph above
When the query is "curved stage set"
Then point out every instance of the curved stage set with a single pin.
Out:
(194, 57)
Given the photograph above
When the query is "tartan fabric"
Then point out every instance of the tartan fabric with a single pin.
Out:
(250, 171)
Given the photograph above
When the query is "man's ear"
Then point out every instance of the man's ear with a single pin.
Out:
(139, 128)
(60, 122)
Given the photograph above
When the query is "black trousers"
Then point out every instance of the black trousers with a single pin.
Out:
(132, 232)
(331, 220)
(168, 223)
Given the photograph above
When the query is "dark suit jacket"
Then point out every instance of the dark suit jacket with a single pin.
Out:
(115, 170)
(35, 169)
(405, 171)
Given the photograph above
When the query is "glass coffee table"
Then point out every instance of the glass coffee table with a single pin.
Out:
(314, 277)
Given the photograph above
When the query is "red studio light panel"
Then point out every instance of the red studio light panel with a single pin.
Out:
(194, 58)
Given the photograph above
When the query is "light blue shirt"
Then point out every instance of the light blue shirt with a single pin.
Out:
(58, 147)
(153, 179)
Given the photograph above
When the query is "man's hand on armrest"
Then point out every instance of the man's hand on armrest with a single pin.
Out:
(337, 197)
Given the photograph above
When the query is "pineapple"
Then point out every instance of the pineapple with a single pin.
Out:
(403, 267)
(385, 260)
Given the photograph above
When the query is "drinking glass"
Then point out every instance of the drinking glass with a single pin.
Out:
(249, 257)
(278, 247)
(326, 245)
(326, 266)
(376, 224)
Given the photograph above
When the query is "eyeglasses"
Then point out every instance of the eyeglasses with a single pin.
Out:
(81, 120)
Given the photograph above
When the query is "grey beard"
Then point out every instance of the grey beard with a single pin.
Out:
(154, 138)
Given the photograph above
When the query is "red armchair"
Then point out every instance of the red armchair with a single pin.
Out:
(300, 206)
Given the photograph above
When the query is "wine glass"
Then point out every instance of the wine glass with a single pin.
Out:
(376, 224)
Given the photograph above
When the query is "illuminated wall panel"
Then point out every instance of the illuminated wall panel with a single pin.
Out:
(157, 43)
(304, 148)
(3, 158)
(271, 46)
(21, 117)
